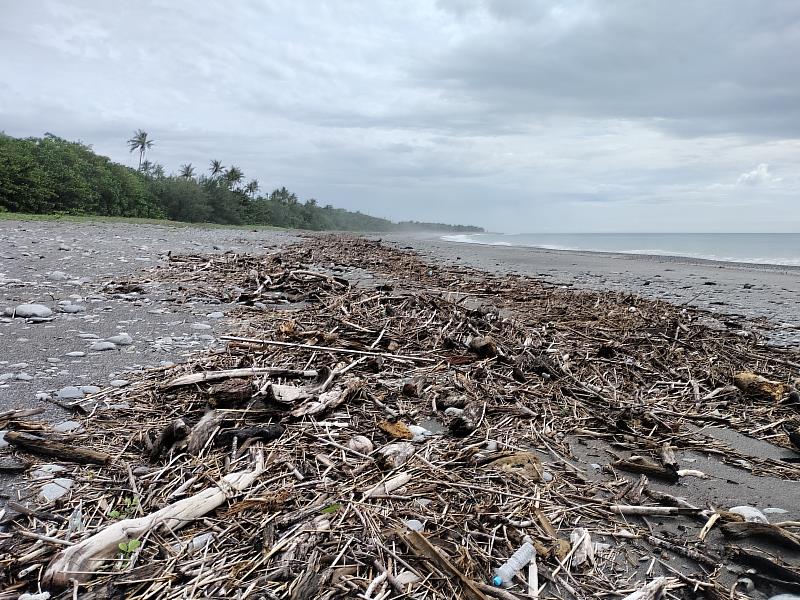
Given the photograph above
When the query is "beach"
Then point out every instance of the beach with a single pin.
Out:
(766, 295)
(578, 366)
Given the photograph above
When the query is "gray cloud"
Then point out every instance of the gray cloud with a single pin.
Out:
(540, 115)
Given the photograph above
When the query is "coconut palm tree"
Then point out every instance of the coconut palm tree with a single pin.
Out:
(233, 176)
(146, 167)
(216, 168)
(158, 171)
(139, 142)
(252, 187)
(187, 171)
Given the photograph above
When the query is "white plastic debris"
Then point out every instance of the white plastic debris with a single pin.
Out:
(750, 514)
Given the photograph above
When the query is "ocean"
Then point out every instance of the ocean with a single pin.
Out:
(759, 248)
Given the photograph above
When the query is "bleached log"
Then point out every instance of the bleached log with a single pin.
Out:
(205, 376)
(80, 561)
(654, 590)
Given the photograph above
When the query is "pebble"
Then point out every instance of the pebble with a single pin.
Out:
(18, 366)
(122, 339)
(3, 442)
(75, 354)
(119, 382)
(201, 326)
(26, 311)
(47, 471)
(88, 336)
(102, 346)
(73, 308)
(58, 276)
(215, 315)
(6, 376)
(89, 389)
(53, 360)
(70, 392)
(55, 489)
(43, 396)
(67, 426)
(750, 514)
(23, 377)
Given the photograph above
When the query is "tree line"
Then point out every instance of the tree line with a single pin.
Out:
(52, 175)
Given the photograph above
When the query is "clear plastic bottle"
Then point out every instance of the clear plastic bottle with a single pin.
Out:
(504, 575)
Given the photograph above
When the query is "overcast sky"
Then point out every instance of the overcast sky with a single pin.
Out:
(518, 115)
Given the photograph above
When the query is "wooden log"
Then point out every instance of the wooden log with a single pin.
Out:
(762, 530)
(420, 546)
(51, 447)
(80, 561)
(205, 376)
(648, 468)
(661, 511)
(668, 457)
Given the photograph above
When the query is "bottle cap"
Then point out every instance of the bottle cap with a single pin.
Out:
(497, 581)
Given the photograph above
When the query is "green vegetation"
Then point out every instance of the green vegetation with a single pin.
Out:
(50, 175)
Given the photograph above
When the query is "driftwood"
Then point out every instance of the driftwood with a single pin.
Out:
(52, 447)
(758, 386)
(78, 562)
(175, 431)
(646, 467)
(206, 376)
(420, 546)
(654, 590)
(763, 530)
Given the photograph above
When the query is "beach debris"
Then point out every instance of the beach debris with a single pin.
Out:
(504, 574)
(756, 385)
(397, 458)
(749, 514)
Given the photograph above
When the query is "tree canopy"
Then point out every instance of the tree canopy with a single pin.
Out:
(53, 175)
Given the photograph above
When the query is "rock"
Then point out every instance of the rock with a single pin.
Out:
(75, 354)
(215, 315)
(23, 377)
(27, 311)
(3, 442)
(774, 511)
(102, 346)
(18, 366)
(201, 326)
(43, 396)
(41, 596)
(485, 347)
(46, 471)
(122, 339)
(55, 489)
(88, 336)
(67, 427)
(361, 444)
(57, 276)
(118, 383)
(89, 389)
(6, 376)
(53, 360)
(72, 308)
(750, 514)
(70, 392)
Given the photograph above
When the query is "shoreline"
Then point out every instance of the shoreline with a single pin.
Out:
(767, 294)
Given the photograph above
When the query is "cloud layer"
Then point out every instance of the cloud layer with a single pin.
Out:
(632, 115)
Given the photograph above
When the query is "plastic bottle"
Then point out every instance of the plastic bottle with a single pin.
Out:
(504, 575)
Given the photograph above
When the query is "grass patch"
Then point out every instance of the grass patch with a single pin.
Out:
(10, 216)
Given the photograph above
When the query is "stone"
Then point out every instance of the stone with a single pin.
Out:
(201, 326)
(89, 389)
(88, 336)
(70, 392)
(58, 276)
(121, 339)
(119, 382)
(23, 377)
(18, 366)
(46, 471)
(43, 396)
(27, 311)
(67, 427)
(102, 346)
(75, 354)
(53, 360)
(215, 315)
(6, 376)
(55, 489)
(72, 309)
(3, 442)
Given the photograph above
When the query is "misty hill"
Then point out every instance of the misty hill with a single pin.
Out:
(50, 175)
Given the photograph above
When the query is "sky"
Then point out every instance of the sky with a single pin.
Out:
(515, 115)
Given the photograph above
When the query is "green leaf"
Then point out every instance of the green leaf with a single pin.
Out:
(133, 545)
(114, 514)
(123, 546)
(331, 509)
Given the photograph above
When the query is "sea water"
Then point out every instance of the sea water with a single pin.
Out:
(761, 248)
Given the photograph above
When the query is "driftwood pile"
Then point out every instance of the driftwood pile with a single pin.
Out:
(399, 432)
